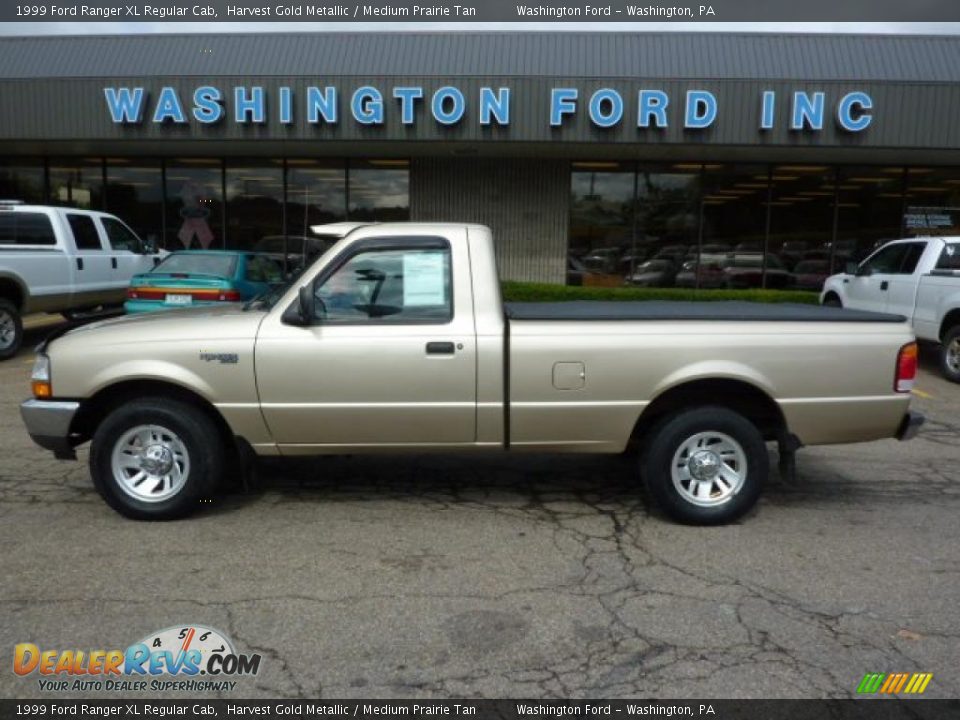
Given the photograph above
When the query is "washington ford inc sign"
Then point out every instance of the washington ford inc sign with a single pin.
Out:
(369, 105)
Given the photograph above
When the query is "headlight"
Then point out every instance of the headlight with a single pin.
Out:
(40, 377)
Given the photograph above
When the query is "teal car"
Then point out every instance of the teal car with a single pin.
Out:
(202, 277)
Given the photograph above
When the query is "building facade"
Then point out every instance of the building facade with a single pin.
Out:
(697, 160)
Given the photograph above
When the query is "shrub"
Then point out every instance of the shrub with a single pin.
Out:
(544, 292)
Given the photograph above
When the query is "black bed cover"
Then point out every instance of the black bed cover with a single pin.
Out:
(684, 310)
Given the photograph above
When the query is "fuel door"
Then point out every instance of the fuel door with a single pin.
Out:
(569, 375)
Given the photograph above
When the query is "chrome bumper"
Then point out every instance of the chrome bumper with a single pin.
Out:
(910, 425)
(48, 423)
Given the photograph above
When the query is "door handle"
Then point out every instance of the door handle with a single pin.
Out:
(440, 348)
(79, 263)
(884, 285)
(113, 263)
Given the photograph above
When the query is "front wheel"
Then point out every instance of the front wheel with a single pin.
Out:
(156, 459)
(705, 466)
(950, 355)
(11, 329)
(832, 300)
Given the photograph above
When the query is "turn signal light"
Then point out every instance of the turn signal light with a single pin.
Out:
(41, 389)
(906, 368)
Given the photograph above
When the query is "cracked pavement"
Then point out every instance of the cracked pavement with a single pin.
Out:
(495, 576)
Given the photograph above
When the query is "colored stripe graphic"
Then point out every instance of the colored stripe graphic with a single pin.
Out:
(894, 683)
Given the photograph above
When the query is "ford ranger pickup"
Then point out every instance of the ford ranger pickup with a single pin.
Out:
(396, 340)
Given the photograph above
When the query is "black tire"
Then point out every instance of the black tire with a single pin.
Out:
(199, 436)
(665, 441)
(950, 355)
(10, 343)
(832, 300)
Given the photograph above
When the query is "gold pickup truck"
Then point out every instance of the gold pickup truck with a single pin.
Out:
(396, 340)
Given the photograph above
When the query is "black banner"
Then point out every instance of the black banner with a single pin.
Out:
(886, 709)
(467, 11)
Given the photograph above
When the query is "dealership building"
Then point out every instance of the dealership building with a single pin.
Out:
(595, 157)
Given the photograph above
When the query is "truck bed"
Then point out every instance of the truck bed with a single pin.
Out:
(654, 310)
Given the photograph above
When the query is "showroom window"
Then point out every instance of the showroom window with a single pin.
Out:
(23, 180)
(135, 194)
(194, 204)
(316, 194)
(601, 222)
(379, 190)
(254, 204)
(76, 182)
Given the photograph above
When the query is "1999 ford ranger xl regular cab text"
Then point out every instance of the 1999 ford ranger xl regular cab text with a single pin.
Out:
(396, 339)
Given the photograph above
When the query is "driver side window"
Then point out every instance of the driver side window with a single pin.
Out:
(887, 260)
(388, 286)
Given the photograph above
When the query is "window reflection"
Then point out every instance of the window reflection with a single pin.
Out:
(254, 204)
(194, 204)
(135, 194)
(22, 180)
(667, 223)
(801, 216)
(316, 194)
(380, 190)
(601, 219)
(77, 182)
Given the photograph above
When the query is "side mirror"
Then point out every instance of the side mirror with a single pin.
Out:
(306, 302)
(303, 311)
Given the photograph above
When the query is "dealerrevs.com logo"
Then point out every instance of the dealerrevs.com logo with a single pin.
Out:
(190, 658)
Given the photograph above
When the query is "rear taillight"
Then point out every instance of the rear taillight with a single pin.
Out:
(132, 294)
(230, 296)
(906, 368)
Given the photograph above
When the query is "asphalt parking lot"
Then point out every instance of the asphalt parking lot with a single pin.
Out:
(506, 577)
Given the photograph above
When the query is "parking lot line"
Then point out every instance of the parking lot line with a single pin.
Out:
(921, 393)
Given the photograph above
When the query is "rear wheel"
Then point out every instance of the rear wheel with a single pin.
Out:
(156, 459)
(705, 466)
(950, 355)
(11, 329)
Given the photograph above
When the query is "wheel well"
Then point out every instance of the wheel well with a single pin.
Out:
(832, 294)
(951, 319)
(93, 411)
(10, 290)
(741, 397)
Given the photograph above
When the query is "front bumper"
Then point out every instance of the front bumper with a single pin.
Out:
(910, 425)
(48, 423)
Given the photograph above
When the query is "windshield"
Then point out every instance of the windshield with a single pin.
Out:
(221, 265)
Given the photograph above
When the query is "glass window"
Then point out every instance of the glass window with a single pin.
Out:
(912, 257)
(219, 264)
(120, 236)
(262, 269)
(194, 204)
(869, 210)
(801, 215)
(316, 194)
(933, 201)
(396, 286)
(135, 195)
(601, 220)
(85, 233)
(26, 228)
(667, 216)
(77, 182)
(379, 190)
(887, 260)
(254, 204)
(22, 180)
(949, 258)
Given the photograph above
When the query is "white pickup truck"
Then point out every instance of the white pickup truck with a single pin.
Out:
(62, 260)
(918, 278)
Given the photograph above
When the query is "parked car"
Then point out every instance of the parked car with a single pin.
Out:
(918, 278)
(202, 277)
(791, 252)
(745, 270)
(399, 341)
(810, 274)
(62, 260)
(710, 270)
(659, 272)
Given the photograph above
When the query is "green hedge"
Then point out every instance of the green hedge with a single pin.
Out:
(544, 292)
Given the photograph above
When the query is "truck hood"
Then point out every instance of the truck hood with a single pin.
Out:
(200, 323)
